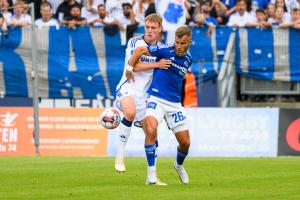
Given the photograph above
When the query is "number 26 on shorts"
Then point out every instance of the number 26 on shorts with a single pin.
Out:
(178, 117)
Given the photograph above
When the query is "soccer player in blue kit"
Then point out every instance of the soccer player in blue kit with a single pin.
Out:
(164, 100)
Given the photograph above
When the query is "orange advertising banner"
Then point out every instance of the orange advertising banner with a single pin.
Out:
(63, 132)
(15, 135)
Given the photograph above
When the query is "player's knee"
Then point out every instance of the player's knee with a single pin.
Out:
(151, 130)
(130, 115)
(151, 133)
(185, 144)
(128, 108)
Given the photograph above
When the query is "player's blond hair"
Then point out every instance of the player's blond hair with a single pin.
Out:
(183, 30)
(154, 18)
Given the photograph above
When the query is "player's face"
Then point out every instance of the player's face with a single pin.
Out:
(152, 32)
(182, 45)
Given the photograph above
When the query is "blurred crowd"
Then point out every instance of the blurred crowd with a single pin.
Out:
(129, 14)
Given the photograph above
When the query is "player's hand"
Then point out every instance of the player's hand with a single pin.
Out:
(164, 64)
(129, 75)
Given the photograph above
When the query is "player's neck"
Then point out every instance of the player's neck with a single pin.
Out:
(148, 42)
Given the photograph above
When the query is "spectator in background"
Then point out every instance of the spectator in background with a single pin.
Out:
(279, 17)
(286, 14)
(261, 19)
(295, 19)
(97, 3)
(143, 8)
(218, 10)
(4, 10)
(241, 16)
(128, 16)
(64, 9)
(191, 7)
(3, 25)
(295, 15)
(231, 8)
(37, 4)
(20, 18)
(88, 11)
(46, 19)
(55, 4)
(74, 19)
(286, 4)
(270, 12)
(90, 8)
(295, 4)
(203, 17)
(151, 8)
(102, 20)
(114, 8)
(128, 20)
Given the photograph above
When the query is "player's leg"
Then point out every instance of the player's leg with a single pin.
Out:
(150, 147)
(158, 182)
(183, 138)
(177, 121)
(143, 124)
(153, 117)
(127, 105)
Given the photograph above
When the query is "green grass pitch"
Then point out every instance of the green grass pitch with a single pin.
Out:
(95, 178)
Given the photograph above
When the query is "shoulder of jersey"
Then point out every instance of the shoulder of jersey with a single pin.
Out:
(133, 42)
(189, 57)
(161, 45)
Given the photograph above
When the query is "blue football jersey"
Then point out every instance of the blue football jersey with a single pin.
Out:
(167, 83)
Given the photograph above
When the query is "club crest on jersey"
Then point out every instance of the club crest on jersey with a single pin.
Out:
(151, 105)
(153, 48)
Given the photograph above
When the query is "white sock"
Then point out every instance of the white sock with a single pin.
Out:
(151, 169)
(123, 135)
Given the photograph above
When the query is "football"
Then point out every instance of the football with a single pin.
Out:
(110, 118)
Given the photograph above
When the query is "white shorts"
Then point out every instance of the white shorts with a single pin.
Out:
(138, 97)
(173, 113)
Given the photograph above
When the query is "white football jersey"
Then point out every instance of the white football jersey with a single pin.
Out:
(142, 78)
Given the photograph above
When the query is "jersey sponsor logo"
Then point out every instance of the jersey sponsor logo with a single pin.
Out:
(151, 105)
(182, 69)
(148, 59)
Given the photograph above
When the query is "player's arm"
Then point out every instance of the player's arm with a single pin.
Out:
(143, 66)
(138, 52)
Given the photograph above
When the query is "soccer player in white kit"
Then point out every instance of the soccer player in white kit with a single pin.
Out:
(131, 95)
